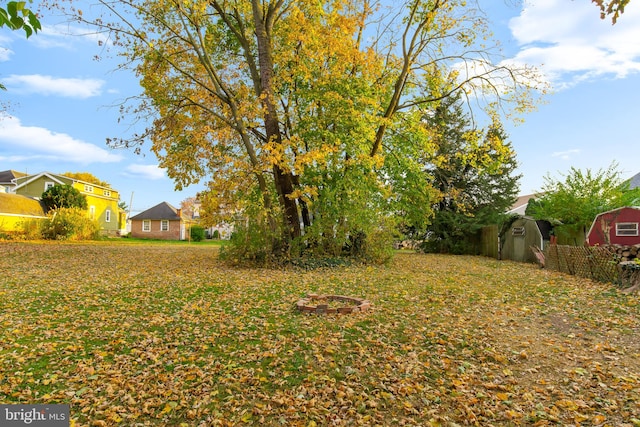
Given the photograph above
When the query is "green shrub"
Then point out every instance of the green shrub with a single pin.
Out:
(63, 196)
(69, 224)
(375, 247)
(254, 243)
(216, 234)
(197, 233)
(32, 229)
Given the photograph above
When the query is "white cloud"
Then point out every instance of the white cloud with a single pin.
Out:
(5, 54)
(48, 85)
(14, 159)
(5, 50)
(566, 155)
(36, 142)
(570, 43)
(145, 171)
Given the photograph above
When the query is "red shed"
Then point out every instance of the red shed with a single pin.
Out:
(616, 227)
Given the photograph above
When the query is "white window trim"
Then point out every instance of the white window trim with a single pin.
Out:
(627, 229)
(48, 185)
(92, 212)
(107, 215)
(146, 225)
(163, 223)
(88, 188)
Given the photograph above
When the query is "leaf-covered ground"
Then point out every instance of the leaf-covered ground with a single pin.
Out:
(168, 335)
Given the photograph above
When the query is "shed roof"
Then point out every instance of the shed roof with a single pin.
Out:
(637, 208)
(160, 211)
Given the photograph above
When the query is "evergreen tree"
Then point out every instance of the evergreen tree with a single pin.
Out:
(473, 171)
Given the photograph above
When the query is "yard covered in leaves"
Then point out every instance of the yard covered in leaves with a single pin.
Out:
(169, 335)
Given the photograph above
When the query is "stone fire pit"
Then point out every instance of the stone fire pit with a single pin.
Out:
(328, 304)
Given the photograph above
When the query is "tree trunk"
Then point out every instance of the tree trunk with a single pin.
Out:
(283, 179)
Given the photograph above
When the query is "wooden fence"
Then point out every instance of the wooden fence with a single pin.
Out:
(593, 262)
(489, 242)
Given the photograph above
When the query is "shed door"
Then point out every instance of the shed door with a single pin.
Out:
(518, 248)
(518, 234)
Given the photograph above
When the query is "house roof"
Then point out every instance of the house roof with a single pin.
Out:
(160, 211)
(28, 179)
(634, 181)
(60, 179)
(520, 205)
(20, 205)
(6, 177)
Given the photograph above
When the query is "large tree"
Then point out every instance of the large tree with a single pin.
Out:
(303, 113)
(473, 172)
(573, 200)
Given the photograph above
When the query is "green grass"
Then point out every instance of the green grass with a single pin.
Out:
(152, 333)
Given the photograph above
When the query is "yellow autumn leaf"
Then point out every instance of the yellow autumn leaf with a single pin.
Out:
(206, 339)
(502, 396)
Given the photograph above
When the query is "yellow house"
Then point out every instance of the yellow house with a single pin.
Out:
(102, 201)
(15, 209)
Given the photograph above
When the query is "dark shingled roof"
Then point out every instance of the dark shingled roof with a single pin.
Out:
(634, 181)
(160, 211)
(7, 176)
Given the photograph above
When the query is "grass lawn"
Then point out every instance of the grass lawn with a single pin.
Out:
(167, 335)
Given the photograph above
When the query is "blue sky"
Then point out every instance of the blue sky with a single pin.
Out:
(62, 101)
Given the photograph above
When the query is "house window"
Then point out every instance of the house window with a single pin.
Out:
(627, 229)
(106, 193)
(88, 188)
(92, 212)
(107, 215)
(48, 185)
(146, 225)
(164, 225)
(517, 231)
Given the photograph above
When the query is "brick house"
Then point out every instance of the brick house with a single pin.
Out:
(162, 221)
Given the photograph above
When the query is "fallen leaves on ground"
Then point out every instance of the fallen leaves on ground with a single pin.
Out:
(169, 335)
